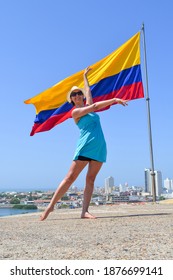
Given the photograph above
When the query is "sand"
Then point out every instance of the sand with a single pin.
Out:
(127, 231)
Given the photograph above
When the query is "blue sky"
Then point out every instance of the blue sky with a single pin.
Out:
(43, 42)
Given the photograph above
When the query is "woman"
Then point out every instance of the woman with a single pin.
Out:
(91, 147)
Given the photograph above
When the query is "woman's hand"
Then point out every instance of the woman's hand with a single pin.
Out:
(87, 70)
(121, 101)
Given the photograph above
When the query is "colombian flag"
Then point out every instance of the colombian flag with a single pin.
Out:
(117, 75)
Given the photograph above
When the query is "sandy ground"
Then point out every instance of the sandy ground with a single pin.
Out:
(120, 232)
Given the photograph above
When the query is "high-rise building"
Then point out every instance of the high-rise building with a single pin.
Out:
(168, 184)
(122, 188)
(109, 183)
(148, 181)
(158, 180)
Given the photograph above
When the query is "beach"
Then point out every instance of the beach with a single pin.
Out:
(125, 231)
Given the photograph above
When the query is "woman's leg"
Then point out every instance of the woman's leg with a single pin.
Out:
(75, 169)
(93, 169)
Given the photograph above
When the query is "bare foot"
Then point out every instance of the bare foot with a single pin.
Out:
(87, 215)
(46, 213)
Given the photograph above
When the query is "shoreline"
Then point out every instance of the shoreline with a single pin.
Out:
(77, 209)
(10, 212)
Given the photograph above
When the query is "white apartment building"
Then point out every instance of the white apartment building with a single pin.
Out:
(148, 181)
(109, 183)
(158, 178)
(122, 188)
(168, 184)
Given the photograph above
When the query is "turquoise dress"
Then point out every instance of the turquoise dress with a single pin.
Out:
(91, 143)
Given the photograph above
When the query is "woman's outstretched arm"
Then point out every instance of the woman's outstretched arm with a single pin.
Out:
(79, 112)
(88, 95)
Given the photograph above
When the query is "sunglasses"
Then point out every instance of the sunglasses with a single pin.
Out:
(73, 94)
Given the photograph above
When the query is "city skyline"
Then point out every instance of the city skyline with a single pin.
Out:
(109, 182)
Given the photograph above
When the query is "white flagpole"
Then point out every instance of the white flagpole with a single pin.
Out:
(149, 119)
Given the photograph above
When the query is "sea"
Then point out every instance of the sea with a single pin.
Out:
(10, 211)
